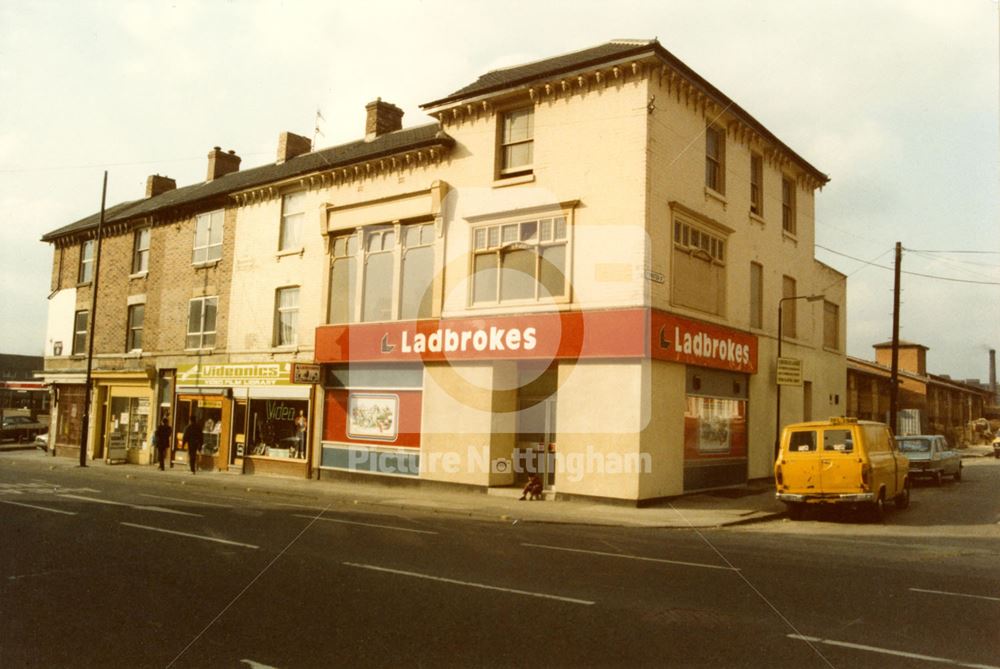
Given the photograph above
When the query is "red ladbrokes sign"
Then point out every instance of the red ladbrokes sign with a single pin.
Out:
(618, 333)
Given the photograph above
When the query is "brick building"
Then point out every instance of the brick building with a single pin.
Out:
(575, 268)
(927, 403)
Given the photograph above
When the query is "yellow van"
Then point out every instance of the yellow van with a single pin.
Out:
(841, 461)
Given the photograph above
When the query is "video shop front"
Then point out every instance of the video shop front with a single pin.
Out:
(254, 419)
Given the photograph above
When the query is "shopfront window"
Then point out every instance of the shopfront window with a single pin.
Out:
(206, 410)
(278, 428)
(128, 422)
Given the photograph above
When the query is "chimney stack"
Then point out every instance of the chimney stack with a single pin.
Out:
(291, 145)
(993, 376)
(155, 184)
(220, 163)
(382, 117)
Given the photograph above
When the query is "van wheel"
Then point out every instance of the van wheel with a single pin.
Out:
(902, 500)
(958, 474)
(796, 510)
(876, 512)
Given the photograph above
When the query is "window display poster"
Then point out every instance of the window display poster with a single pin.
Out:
(373, 417)
(714, 427)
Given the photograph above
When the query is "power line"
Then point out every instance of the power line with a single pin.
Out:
(926, 276)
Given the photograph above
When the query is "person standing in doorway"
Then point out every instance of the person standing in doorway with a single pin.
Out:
(161, 439)
(193, 441)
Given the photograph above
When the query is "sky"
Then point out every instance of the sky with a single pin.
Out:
(896, 100)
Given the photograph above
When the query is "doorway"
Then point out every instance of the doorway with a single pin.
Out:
(535, 441)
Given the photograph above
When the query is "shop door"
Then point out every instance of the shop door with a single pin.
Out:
(536, 440)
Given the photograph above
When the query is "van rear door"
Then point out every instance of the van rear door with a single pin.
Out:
(801, 468)
(840, 464)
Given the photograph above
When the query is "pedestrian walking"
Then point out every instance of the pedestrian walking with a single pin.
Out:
(161, 440)
(193, 441)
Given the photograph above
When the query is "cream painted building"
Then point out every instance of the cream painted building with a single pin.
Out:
(574, 269)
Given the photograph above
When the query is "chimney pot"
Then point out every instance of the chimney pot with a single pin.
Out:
(291, 145)
(155, 184)
(382, 117)
(220, 163)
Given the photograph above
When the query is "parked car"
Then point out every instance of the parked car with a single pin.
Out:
(42, 441)
(996, 447)
(930, 457)
(842, 461)
(21, 428)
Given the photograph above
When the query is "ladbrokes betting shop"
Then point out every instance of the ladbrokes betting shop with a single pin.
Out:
(627, 403)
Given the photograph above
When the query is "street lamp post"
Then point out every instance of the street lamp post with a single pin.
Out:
(777, 419)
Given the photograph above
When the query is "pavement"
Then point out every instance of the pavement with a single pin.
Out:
(751, 503)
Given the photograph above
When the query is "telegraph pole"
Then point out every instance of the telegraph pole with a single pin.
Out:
(92, 318)
(894, 378)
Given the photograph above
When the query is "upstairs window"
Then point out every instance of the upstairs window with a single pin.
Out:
(520, 261)
(80, 322)
(379, 277)
(382, 273)
(208, 237)
(699, 267)
(756, 184)
(788, 205)
(517, 141)
(343, 279)
(140, 251)
(86, 273)
(292, 214)
(831, 326)
(789, 313)
(202, 313)
(286, 316)
(136, 316)
(756, 295)
(715, 159)
(417, 271)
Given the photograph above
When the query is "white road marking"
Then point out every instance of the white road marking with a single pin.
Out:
(40, 508)
(887, 651)
(956, 594)
(186, 501)
(192, 536)
(300, 506)
(632, 557)
(469, 584)
(140, 507)
(352, 522)
(257, 665)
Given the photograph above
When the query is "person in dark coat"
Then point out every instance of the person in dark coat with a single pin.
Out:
(193, 440)
(161, 439)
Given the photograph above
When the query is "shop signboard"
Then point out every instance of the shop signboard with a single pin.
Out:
(701, 344)
(539, 336)
(235, 375)
(612, 333)
(303, 372)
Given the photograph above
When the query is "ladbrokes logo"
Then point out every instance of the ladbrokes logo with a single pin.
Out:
(704, 345)
(492, 340)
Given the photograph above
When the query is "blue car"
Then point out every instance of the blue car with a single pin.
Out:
(930, 457)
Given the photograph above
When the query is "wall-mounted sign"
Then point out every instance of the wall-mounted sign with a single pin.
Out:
(237, 374)
(539, 336)
(703, 344)
(612, 333)
(303, 372)
(789, 372)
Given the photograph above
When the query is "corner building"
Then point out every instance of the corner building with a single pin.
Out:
(583, 280)
(575, 269)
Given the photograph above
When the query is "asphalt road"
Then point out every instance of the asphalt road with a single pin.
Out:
(103, 571)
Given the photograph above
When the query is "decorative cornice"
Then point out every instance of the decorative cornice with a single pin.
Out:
(349, 173)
